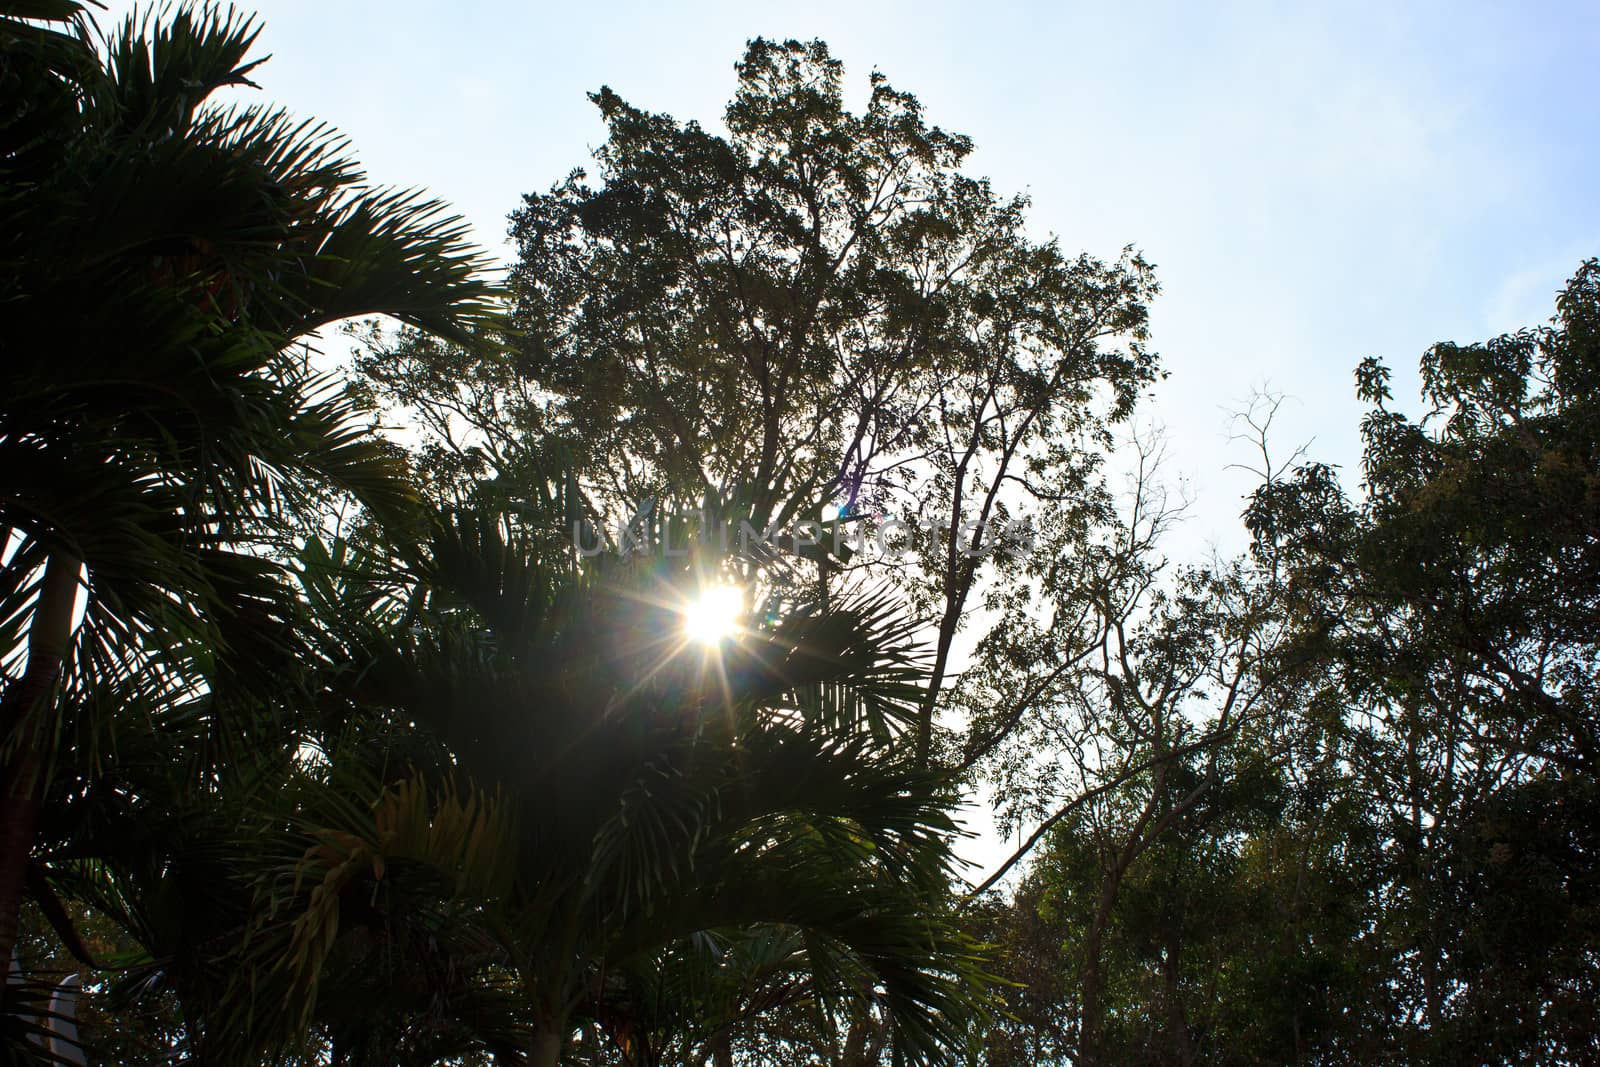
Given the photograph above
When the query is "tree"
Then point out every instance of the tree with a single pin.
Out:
(610, 794)
(1241, 935)
(1454, 606)
(817, 311)
(1395, 861)
(1149, 739)
(161, 256)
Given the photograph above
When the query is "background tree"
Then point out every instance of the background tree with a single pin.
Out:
(1455, 608)
(1393, 862)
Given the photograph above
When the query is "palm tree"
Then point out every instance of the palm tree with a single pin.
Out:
(160, 256)
(163, 841)
(536, 809)
(613, 799)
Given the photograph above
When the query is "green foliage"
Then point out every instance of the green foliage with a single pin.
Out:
(184, 426)
(431, 786)
(1456, 609)
(162, 436)
(1393, 862)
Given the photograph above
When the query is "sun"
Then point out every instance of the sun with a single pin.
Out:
(714, 616)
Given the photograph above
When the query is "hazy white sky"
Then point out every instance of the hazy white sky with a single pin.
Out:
(1314, 185)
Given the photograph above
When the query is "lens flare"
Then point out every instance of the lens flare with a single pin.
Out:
(714, 616)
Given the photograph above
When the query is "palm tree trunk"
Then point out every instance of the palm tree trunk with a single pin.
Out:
(545, 1048)
(26, 735)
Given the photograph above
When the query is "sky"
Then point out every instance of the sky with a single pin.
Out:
(1315, 184)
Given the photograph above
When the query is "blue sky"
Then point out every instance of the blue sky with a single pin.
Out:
(1315, 185)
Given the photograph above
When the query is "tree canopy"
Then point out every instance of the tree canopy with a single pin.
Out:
(323, 744)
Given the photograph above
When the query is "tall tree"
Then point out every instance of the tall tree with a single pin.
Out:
(818, 311)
